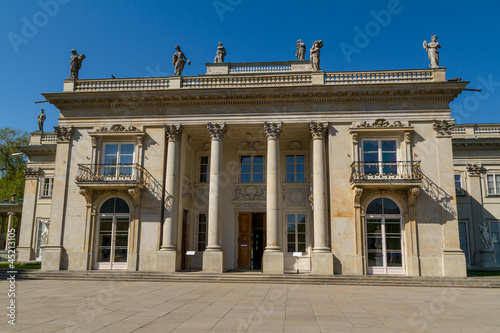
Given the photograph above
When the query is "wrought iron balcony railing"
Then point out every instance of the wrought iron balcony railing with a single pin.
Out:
(386, 171)
(111, 173)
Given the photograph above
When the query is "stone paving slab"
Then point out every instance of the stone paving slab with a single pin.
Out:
(112, 306)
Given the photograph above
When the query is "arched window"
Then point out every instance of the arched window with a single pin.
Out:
(112, 234)
(384, 237)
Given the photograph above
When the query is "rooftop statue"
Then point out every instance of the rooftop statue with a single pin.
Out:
(316, 48)
(301, 50)
(179, 60)
(41, 120)
(75, 64)
(432, 50)
(221, 53)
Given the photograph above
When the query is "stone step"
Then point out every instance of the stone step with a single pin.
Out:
(251, 277)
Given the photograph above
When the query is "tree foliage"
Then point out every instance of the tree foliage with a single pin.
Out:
(12, 166)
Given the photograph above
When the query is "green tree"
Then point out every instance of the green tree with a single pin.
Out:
(12, 166)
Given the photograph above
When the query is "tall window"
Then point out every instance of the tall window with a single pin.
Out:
(252, 169)
(495, 238)
(296, 232)
(202, 232)
(464, 239)
(204, 163)
(118, 159)
(47, 186)
(493, 183)
(459, 189)
(380, 156)
(295, 169)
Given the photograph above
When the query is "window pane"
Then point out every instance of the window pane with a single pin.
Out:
(105, 240)
(121, 240)
(300, 178)
(301, 238)
(389, 145)
(258, 160)
(291, 228)
(126, 159)
(290, 218)
(246, 159)
(290, 159)
(108, 206)
(370, 146)
(120, 255)
(300, 159)
(291, 247)
(375, 207)
(245, 178)
(393, 243)
(370, 157)
(389, 157)
(301, 247)
(245, 168)
(110, 160)
(390, 207)
(258, 168)
(300, 168)
(291, 237)
(258, 178)
(375, 259)
(290, 177)
(121, 206)
(301, 227)
(394, 259)
(104, 255)
(111, 149)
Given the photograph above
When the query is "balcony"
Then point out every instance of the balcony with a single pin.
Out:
(111, 175)
(399, 174)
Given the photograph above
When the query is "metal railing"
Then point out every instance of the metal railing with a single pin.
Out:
(386, 171)
(111, 173)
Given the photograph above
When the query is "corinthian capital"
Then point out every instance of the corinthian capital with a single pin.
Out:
(173, 132)
(443, 127)
(217, 131)
(273, 130)
(318, 130)
(64, 133)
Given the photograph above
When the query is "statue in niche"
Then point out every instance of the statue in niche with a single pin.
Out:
(41, 120)
(301, 50)
(75, 64)
(432, 51)
(179, 60)
(485, 235)
(316, 48)
(221, 53)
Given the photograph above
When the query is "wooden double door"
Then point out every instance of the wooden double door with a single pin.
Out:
(251, 240)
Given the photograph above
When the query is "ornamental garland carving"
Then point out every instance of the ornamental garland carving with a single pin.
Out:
(217, 131)
(118, 128)
(474, 169)
(32, 173)
(318, 130)
(64, 133)
(250, 192)
(381, 123)
(187, 189)
(443, 127)
(173, 132)
(273, 130)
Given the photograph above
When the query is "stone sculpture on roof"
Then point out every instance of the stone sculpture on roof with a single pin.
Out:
(301, 50)
(433, 52)
(221, 53)
(179, 60)
(316, 48)
(75, 64)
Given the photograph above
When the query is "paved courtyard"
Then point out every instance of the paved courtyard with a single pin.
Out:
(111, 306)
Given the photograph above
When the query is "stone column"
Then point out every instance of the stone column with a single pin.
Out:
(52, 253)
(10, 226)
(322, 257)
(410, 234)
(167, 259)
(213, 257)
(453, 257)
(273, 261)
(26, 250)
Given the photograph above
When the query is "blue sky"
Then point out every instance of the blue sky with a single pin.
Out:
(136, 39)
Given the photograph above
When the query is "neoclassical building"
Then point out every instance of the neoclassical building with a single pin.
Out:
(264, 166)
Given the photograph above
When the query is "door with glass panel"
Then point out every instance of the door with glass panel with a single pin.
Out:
(118, 160)
(384, 241)
(380, 158)
(113, 235)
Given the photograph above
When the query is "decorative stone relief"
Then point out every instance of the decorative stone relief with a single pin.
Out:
(443, 127)
(135, 193)
(485, 235)
(295, 145)
(64, 133)
(295, 196)
(45, 233)
(251, 145)
(173, 132)
(412, 194)
(187, 189)
(273, 130)
(217, 131)
(32, 173)
(249, 192)
(381, 123)
(118, 128)
(201, 195)
(318, 130)
(358, 192)
(87, 193)
(474, 169)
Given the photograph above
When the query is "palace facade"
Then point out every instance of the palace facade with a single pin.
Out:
(264, 166)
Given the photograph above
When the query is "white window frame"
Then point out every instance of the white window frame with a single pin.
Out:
(494, 175)
(379, 149)
(119, 143)
(50, 181)
(296, 231)
(295, 154)
(198, 231)
(199, 173)
(461, 190)
(252, 155)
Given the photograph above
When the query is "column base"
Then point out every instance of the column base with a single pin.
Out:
(322, 263)
(214, 261)
(166, 261)
(273, 263)
(24, 254)
(454, 263)
(51, 258)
